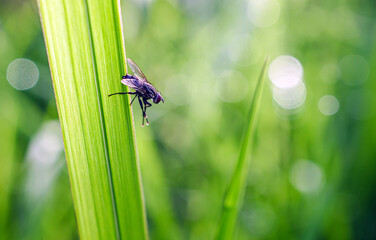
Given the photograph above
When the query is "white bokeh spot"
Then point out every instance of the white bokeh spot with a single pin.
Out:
(328, 105)
(22, 74)
(306, 176)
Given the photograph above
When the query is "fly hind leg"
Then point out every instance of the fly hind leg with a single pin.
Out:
(146, 104)
(143, 112)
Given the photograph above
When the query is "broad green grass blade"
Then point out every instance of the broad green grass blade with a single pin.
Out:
(87, 59)
(234, 193)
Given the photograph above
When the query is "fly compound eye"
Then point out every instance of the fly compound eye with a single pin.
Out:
(157, 98)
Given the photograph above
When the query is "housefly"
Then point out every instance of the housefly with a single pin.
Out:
(143, 89)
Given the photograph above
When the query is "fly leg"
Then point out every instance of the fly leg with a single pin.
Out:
(133, 99)
(143, 112)
(126, 93)
(146, 104)
(122, 93)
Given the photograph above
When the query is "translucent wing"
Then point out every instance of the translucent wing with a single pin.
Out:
(136, 70)
(134, 83)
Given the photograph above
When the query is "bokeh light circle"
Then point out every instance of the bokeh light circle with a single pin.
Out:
(285, 71)
(263, 13)
(328, 105)
(261, 220)
(290, 98)
(306, 176)
(22, 74)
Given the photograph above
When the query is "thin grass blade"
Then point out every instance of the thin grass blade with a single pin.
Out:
(234, 193)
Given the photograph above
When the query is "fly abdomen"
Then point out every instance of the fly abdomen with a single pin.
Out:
(149, 90)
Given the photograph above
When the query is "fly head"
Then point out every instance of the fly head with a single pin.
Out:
(158, 97)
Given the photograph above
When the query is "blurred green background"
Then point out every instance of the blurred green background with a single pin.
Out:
(313, 168)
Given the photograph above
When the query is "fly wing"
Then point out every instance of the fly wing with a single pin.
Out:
(134, 83)
(136, 70)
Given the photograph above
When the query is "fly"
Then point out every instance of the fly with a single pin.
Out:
(143, 89)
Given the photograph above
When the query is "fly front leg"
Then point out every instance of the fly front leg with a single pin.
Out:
(122, 93)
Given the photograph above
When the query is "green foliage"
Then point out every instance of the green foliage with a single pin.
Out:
(312, 175)
(86, 55)
(235, 190)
